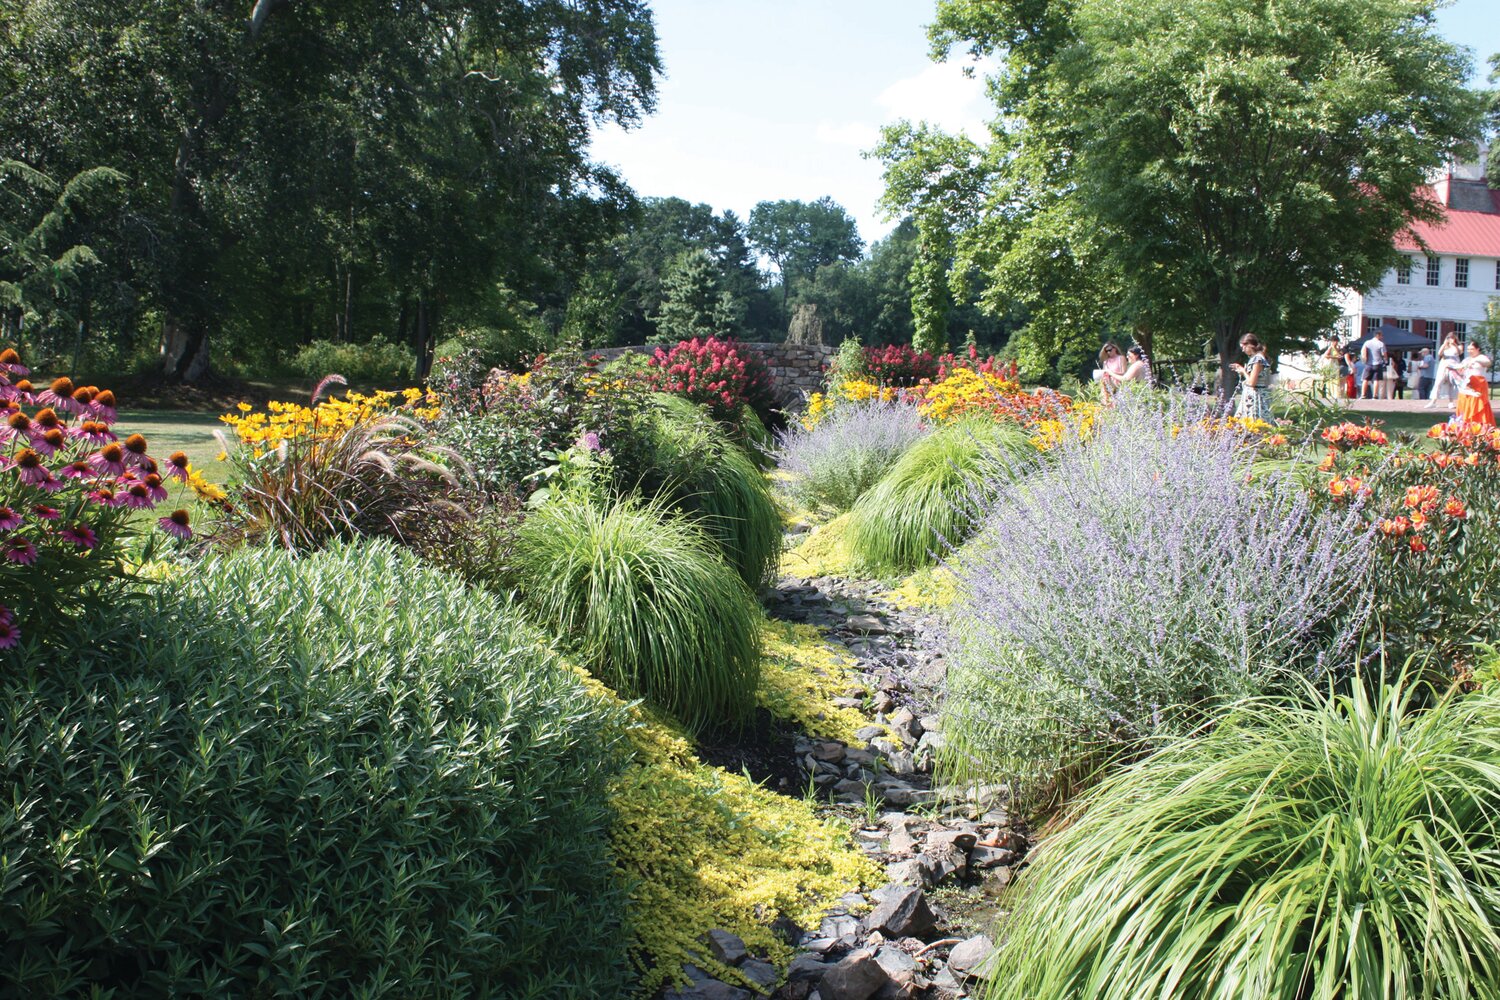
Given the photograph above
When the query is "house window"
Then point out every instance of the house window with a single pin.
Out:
(1433, 326)
(1403, 271)
(1461, 272)
(1372, 323)
(1461, 330)
(1497, 275)
(1434, 270)
(1404, 324)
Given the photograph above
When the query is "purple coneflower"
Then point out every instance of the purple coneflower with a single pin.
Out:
(138, 497)
(29, 465)
(51, 484)
(178, 465)
(103, 406)
(58, 394)
(76, 470)
(10, 633)
(155, 488)
(20, 550)
(9, 519)
(10, 363)
(109, 460)
(93, 432)
(176, 524)
(45, 513)
(80, 535)
(50, 442)
(105, 497)
(135, 450)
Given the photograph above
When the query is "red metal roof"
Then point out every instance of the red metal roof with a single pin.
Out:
(1463, 234)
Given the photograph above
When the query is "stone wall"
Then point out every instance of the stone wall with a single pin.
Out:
(796, 369)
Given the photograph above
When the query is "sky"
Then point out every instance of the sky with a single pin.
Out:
(777, 99)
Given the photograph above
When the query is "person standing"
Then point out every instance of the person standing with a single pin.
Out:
(1255, 374)
(1354, 369)
(1450, 356)
(1395, 376)
(1473, 404)
(1423, 372)
(1375, 357)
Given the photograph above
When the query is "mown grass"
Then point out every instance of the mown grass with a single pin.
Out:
(180, 430)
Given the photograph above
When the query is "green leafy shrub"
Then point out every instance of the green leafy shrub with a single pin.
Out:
(1347, 849)
(685, 458)
(332, 775)
(646, 603)
(925, 501)
(377, 362)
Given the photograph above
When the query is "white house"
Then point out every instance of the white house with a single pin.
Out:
(1454, 269)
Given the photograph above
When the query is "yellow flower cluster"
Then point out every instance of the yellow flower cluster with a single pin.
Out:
(1080, 424)
(265, 431)
(819, 405)
(1244, 426)
(963, 392)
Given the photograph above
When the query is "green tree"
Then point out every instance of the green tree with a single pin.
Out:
(310, 162)
(694, 302)
(1203, 168)
(798, 237)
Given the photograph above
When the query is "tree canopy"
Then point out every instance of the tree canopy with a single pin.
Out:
(1189, 169)
(291, 166)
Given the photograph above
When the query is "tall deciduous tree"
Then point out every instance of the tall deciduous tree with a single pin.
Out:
(798, 237)
(430, 148)
(1207, 165)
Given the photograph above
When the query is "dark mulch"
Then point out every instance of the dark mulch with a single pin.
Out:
(766, 750)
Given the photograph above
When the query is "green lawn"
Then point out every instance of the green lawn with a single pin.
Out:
(167, 431)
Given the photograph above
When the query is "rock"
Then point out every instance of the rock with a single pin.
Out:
(911, 872)
(808, 968)
(900, 842)
(960, 839)
(867, 624)
(901, 793)
(820, 945)
(968, 957)
(945, 980)
(868, 733)
(885, 746)
(762, 974)
(901, 762)
(830, 753)
(857, 977)
(856, 703)
(898, 965)
(991, 857)
(709, 989)
(799, 990)
(902, 912)
(931, 723)
(843, 929)
(726, 947)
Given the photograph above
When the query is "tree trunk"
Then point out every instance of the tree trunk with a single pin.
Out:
(1227, 340)
(184, 350)
(423, 338)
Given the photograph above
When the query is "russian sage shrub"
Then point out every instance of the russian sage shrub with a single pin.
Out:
(833, 464)
(1132, 585)
(308, 776)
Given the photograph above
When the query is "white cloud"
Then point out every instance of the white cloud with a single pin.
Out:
(853, 135)
(944, 95)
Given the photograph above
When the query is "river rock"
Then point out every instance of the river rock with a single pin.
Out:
(902, 912)
(726, 947)
(968, 957)
(857, 977)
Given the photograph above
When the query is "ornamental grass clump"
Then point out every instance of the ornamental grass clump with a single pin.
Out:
(646, 604)
(685, 459)
(1295, 852)
(838, 460)
(308, 775)
(925, 503)
(337, 470)
(1133, 585)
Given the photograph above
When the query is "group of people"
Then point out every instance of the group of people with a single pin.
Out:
(1456, 374)
(1119, 368)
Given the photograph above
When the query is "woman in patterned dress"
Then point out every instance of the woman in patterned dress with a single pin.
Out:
(1255, 375)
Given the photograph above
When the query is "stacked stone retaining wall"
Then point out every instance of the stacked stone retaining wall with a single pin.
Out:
(796, 369)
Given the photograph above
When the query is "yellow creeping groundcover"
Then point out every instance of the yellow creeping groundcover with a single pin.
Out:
(707, 849)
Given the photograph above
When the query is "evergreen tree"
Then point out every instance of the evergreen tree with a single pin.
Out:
(694, 301)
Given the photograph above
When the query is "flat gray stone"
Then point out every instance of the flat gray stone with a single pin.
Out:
(807, 967)
(762, 974)
(968, 957)
(726, 947)
(857, 977)
(903, 912)
(708, 989)
(899, 966)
